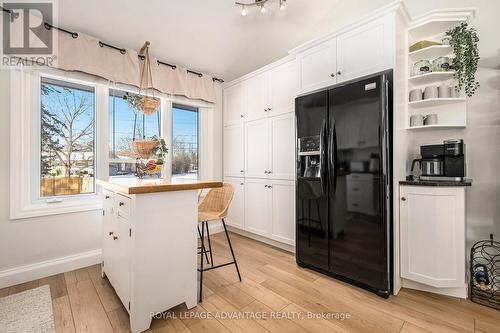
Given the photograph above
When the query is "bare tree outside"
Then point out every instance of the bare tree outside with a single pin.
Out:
(67, 138)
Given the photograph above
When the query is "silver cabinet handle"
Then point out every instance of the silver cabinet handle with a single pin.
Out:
(269, 186)
(115, 237)
(106, 197)
(241, 116)
(403, 199)
(265, 186)
(269, 172)
(121, 204)
(332, 75)
(111, 233)
(242, 183)
(339, 73)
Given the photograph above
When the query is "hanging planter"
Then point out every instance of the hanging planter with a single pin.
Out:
(148, 104)
(464, 42)
(144, 148)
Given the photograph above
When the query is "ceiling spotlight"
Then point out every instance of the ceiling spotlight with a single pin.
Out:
(243, 11)
(282, 4)
(262, 9)
(260, 4)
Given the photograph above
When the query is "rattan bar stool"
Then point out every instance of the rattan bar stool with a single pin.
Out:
(214, 207)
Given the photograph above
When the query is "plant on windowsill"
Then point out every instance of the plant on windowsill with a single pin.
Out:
(464, 42)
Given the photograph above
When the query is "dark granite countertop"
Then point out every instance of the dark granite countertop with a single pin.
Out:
(437, 183)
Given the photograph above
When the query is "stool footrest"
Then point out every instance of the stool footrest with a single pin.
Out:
(218, 266)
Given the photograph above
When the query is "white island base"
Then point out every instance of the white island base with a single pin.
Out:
(150, 245)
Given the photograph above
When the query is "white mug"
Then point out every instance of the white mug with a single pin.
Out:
(431, 92)
(444, 91)
(416, 120)
(431, 119)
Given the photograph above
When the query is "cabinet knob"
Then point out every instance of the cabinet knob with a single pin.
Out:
(241, 116)
(111, 233)
(115, 237)
(269, 109)
(242, 183)
(332, 75)
(121, 203)
(339, 73)
(403, 199)
(269, 172)
(242, 170)
(269, 186)
(106, 197)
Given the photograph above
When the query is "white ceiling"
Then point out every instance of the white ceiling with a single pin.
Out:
(211, 36)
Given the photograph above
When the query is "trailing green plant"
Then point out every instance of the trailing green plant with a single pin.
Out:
(464, 42)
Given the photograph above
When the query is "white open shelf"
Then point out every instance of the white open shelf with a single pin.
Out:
(434, 27)
(435, 102)
(430, 53)
(431, 77)
(444, 126)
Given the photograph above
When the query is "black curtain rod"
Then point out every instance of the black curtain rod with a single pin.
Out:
(49, 26)
(122, 50)
(10, 12)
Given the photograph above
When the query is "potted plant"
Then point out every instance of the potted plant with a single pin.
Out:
(464, 41)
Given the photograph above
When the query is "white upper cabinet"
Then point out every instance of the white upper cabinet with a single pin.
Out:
(234, 157)
(257, 149)
(282, 89)
(432, 222)
(256, 90)
(234, 104)
(317, 66)
(282, 147)
(366, 50)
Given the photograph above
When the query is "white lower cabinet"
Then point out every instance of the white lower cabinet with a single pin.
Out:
(432, 226)
(264, 207)
(236, 213)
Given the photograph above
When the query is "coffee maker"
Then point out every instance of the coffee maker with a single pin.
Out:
(443, 162)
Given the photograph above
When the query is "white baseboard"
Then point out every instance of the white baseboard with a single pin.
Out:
(272, 242)
(460, 292)
(16, 275)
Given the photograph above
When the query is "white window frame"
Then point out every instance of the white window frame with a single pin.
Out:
(25, 150)
(25, 141)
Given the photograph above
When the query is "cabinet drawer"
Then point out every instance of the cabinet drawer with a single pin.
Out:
(108, 197)
(122, 204)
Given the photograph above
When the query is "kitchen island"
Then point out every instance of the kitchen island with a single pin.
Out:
(150, 244)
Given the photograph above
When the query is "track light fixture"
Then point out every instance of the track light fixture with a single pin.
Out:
(259, 3)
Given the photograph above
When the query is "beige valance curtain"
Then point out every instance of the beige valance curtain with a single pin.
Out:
(84, 54)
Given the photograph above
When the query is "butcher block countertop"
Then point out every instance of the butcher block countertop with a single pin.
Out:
(142, 186)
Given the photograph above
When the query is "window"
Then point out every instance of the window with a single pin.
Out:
(184, 142)
(67, 133)
(122, 116)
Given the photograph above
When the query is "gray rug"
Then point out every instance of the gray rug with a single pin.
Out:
(29, 311)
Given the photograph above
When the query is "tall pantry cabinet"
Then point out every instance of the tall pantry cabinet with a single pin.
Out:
(259, 152)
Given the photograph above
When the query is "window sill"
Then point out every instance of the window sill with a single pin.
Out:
(46, 209)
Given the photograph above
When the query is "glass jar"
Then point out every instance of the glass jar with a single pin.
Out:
(441, 64)
(422, 67)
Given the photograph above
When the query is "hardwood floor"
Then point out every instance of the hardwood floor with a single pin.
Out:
(274, 296)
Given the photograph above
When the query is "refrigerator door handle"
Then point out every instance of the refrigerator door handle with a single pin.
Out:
(332, 154)
(322, 156)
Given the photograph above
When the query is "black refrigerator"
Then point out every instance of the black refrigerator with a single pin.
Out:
(343, 183)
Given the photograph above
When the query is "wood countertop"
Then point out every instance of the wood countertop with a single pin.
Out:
(142, 186)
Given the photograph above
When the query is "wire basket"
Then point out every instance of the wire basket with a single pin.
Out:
(485, 273)
(144, 148)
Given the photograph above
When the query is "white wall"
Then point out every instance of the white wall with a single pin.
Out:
(26, 243)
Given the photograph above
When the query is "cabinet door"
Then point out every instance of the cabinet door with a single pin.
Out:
(234, 104)
(257, 206)
(282, 89)
(257, 103)
(257, 149)
(282, 150)
(283, 212)
(365, 50)
(236, 213)
(121, 260)
(234, 163)
(108, 230)
(433, 235)
(317, 66)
